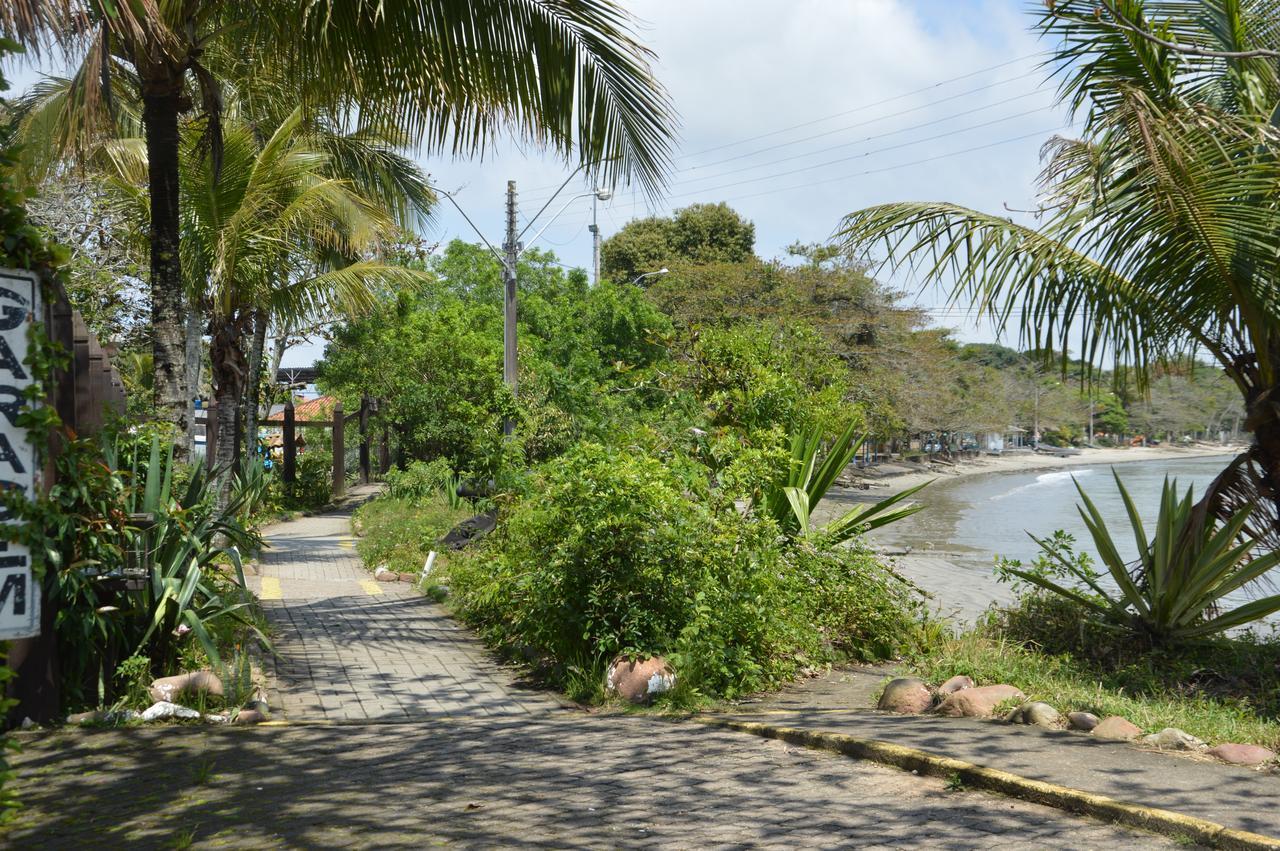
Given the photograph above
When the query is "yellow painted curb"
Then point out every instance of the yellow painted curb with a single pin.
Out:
(1073, 800)
(370, 587)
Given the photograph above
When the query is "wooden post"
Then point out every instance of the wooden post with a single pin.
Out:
(339, 454)
(384, 451)
(364, 440)
(290, 472)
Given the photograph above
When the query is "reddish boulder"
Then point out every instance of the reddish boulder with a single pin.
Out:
(978, 702)
(249, 716)
(1117, 729)
(408, 577)
(1242, 754)
(167, 689)
(639, 681)
(906, 695)
(955, 684)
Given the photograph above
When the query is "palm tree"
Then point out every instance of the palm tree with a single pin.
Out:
(453, 74)
(277, 200)
(1159, 233)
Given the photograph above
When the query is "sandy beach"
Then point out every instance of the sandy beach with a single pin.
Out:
(887, 479)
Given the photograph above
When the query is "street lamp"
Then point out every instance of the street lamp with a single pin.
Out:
(596, 197)
(638, 278)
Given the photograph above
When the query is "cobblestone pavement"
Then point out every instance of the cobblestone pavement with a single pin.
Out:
(563, 780)
(352, 649)
(407, 736)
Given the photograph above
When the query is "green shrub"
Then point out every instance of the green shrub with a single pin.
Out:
(613, 553)
(420, 480)
(398, 533)
(314, 484)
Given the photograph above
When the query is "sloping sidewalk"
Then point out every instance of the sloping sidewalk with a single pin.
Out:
(352, 649)
(834, 711)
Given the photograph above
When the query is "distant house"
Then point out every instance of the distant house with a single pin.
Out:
(1005, 440)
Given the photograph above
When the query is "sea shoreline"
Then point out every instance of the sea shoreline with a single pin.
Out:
(884, 480)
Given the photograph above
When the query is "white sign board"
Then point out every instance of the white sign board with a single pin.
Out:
(19, 593)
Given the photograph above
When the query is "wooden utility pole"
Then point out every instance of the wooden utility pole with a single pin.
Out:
(339, 453)
(290, 472)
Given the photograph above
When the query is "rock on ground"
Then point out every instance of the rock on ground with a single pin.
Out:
(906, 695)
(1036, 714)
(1084, 721)
(166, 689)
(978, 702)
(1173, 739)
(955, 684)
(640, 681)
(1242, 754)
(164, 709)
(1118, 729)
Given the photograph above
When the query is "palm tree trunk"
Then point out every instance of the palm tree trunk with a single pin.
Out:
(161, 106)
(228, 369)
(192, 349)
(253, 391)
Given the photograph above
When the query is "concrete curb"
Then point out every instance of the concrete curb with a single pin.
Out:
(1164, 822)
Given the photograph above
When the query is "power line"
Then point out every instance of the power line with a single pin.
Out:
(874, 171)
(885, 134)
(866, 106)
(899, 146)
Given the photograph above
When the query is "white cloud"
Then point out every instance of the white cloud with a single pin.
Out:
(741, 68)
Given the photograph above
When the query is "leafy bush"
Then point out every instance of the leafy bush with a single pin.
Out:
(93, 542)
(398, 533)
(1175, 591)
(421, 481)
(613, 553)
(313, 486)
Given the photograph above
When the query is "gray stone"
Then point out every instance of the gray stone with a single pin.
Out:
(1173, 739)
(164, 709)
(1117, 729)
(906, 695)
(1084, 721)
(955, 684)
(1036, 714)
(90, 717)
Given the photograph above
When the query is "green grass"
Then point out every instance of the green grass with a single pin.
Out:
(1162, 694)
(398, 533)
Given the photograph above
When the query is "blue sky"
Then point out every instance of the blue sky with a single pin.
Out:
(867, 79)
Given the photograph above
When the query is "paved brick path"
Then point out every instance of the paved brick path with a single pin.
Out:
(482, 763)
(352, 649)
(562, 780)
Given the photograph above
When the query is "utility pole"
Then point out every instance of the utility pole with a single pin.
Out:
(595, 240)
(511, 249)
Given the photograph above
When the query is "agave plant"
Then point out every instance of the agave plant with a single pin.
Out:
(791, 502)
(1175, 590)
(187, 539)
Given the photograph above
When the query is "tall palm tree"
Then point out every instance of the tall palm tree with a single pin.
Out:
(275, 201)
(568, 74)
(1159, 234)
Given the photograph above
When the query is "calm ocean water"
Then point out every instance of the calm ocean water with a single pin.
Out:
(978, 517)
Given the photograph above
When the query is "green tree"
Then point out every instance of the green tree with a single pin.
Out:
(568, 74)
(276, 199)
(697, 234)
(1160, 234)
